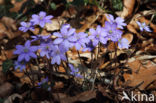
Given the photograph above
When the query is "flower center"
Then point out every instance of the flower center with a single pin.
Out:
(97, 36)
(65, 36)
(41, 17)
(47, 47)
(26, 50)
(142, 26)
(57, 52)
(110, 31)
(28, 25)
(77, 37)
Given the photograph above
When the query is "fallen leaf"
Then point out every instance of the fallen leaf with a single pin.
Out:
(128, 8)
(82, 97)
(140, 73)
(17, 5)
(58, 85)
(55, 25)
(128, 36)
(11, 98)
(5, 89)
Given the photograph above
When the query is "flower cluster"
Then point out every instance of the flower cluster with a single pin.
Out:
(44, 84)
(41, 19)
(55, 50)
(74, 71)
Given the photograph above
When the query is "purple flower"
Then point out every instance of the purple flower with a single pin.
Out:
(82, 39)
(112, 32)
(41, 19)
(44, 84)
(98, 35)
(43, 81)
(123, 43)
(25, 52)
(21, 65)
(88, 47)
(42, 38)
(65, 36)
(58, 54)
(75, 71)
(143, 26)
(25, 26)
(45, 49)
(119, 21)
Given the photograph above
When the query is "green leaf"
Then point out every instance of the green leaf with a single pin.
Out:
(7, 64)
(117, 4)
(2, 100)
(19, 0)
(53, 6)
(78, 2)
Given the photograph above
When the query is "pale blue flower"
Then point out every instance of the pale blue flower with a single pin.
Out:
(143, 26)
(41, 19)
(119, 21)
(98, 35)
(123, 43)
(25, 52)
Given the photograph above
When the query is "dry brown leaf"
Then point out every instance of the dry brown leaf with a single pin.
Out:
(8, 54)
(70, 12)
(82, 97)
(128, 8)
(11, 98)
(18, 74)
(9, 23)
(17, 5)
(25, 80)
(89, 20)
(9, 28)
(2, 31)
(61, 69)
(58, 85)
(140, 73)
(129, 37)
(55, 25)
(2, 77)
(1, 2)
(112, 46)
(5, 89)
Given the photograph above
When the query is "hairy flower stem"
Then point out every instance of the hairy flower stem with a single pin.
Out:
(67, 60)
(115, 57)
(38, 68)
(32, 79)
(79, 57)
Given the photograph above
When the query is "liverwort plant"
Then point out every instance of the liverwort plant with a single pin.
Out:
(74, 71)
(41, 19)
(21, 65)
(123, 43)
(25, 26)
(82, 40)
(143, 26)
(98, 35)
(55, 50)
(58, 54)
(111, 32)
(46, 49)
(42, 38)
(119, 21)
(65, 36)
(26, 52)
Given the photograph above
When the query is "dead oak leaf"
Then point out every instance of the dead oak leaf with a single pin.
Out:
(140, 73)
(128, 8)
